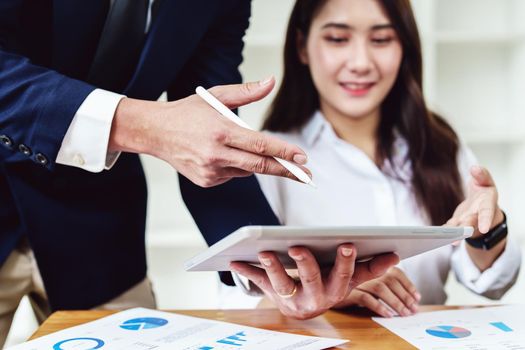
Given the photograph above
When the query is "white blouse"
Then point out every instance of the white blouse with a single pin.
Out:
(352, 190)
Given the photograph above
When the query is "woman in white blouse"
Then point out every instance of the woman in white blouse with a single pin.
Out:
(351, 97)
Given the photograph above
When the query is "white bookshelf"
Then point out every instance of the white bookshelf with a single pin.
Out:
(469, 38)
(474, 56)
(474, 53)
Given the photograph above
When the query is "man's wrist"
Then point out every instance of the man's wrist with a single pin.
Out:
(130, 129)
(85, 144)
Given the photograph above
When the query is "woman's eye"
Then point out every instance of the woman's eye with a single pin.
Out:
(382, 41)
(337, 39)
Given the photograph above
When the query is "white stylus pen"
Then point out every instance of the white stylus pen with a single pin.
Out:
(225, 111)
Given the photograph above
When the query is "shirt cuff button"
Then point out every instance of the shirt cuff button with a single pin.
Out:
(79, 160)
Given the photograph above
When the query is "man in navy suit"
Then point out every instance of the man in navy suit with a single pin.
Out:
(79, 82)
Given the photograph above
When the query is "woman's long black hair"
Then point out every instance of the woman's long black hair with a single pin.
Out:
(433, 144)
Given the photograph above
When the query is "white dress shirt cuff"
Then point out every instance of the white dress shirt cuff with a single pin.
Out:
(85, 144)
(494, 281)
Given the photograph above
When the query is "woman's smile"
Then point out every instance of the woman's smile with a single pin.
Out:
(357, 89)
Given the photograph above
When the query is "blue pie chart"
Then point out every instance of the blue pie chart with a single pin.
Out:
(138, 324)
(85, 343)
(448, 332)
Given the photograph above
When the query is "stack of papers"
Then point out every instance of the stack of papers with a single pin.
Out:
(144, 329)
(489, 328)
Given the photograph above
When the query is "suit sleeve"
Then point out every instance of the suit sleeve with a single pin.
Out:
(220, 210)
(36, 104)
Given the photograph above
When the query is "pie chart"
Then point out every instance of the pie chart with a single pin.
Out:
(80, 344)
(448, 332)
(138, 324)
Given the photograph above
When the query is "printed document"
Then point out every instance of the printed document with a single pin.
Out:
(488, 328)
(144, 329)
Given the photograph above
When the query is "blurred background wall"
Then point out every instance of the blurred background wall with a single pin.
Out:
(474, 57)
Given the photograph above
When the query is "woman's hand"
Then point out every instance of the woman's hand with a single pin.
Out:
(315, 292)
(392, 291)
(480, 207)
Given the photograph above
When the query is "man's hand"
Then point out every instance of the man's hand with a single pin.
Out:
(200, 143)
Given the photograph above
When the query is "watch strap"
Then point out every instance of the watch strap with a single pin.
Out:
(491, 238)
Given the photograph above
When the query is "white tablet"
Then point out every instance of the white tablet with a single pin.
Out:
(245, 243)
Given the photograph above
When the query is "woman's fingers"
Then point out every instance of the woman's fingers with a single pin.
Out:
(469, 220)
(480, 213)
(309, 271)
(380, 290)
(368, 270)
(453, 221)
(486, 211)
(465, 219)
(404, 301)
(406, 283)
(481, 176)
(338, 280)
(487, 197)
(282, 284)
(365, 299)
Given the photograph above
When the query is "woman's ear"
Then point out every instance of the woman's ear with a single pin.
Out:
(301, 48)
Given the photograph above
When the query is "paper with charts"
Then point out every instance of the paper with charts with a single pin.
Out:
(490, 328)
(144, 329)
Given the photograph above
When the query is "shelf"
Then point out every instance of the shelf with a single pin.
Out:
(464, 15)
(492, 137)
(479, 38)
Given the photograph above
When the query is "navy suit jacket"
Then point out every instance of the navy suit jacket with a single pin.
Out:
(87, 230)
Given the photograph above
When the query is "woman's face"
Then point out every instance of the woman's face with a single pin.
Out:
(354, 55)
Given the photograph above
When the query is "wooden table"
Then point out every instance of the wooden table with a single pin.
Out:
(358, 327)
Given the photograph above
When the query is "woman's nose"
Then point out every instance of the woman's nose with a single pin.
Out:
(359, 58)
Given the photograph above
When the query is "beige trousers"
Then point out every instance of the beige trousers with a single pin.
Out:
(19, 276)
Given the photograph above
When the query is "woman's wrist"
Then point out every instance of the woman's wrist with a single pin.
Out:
(498, 218)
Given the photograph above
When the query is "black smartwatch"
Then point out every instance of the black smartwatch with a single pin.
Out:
(491, 238)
